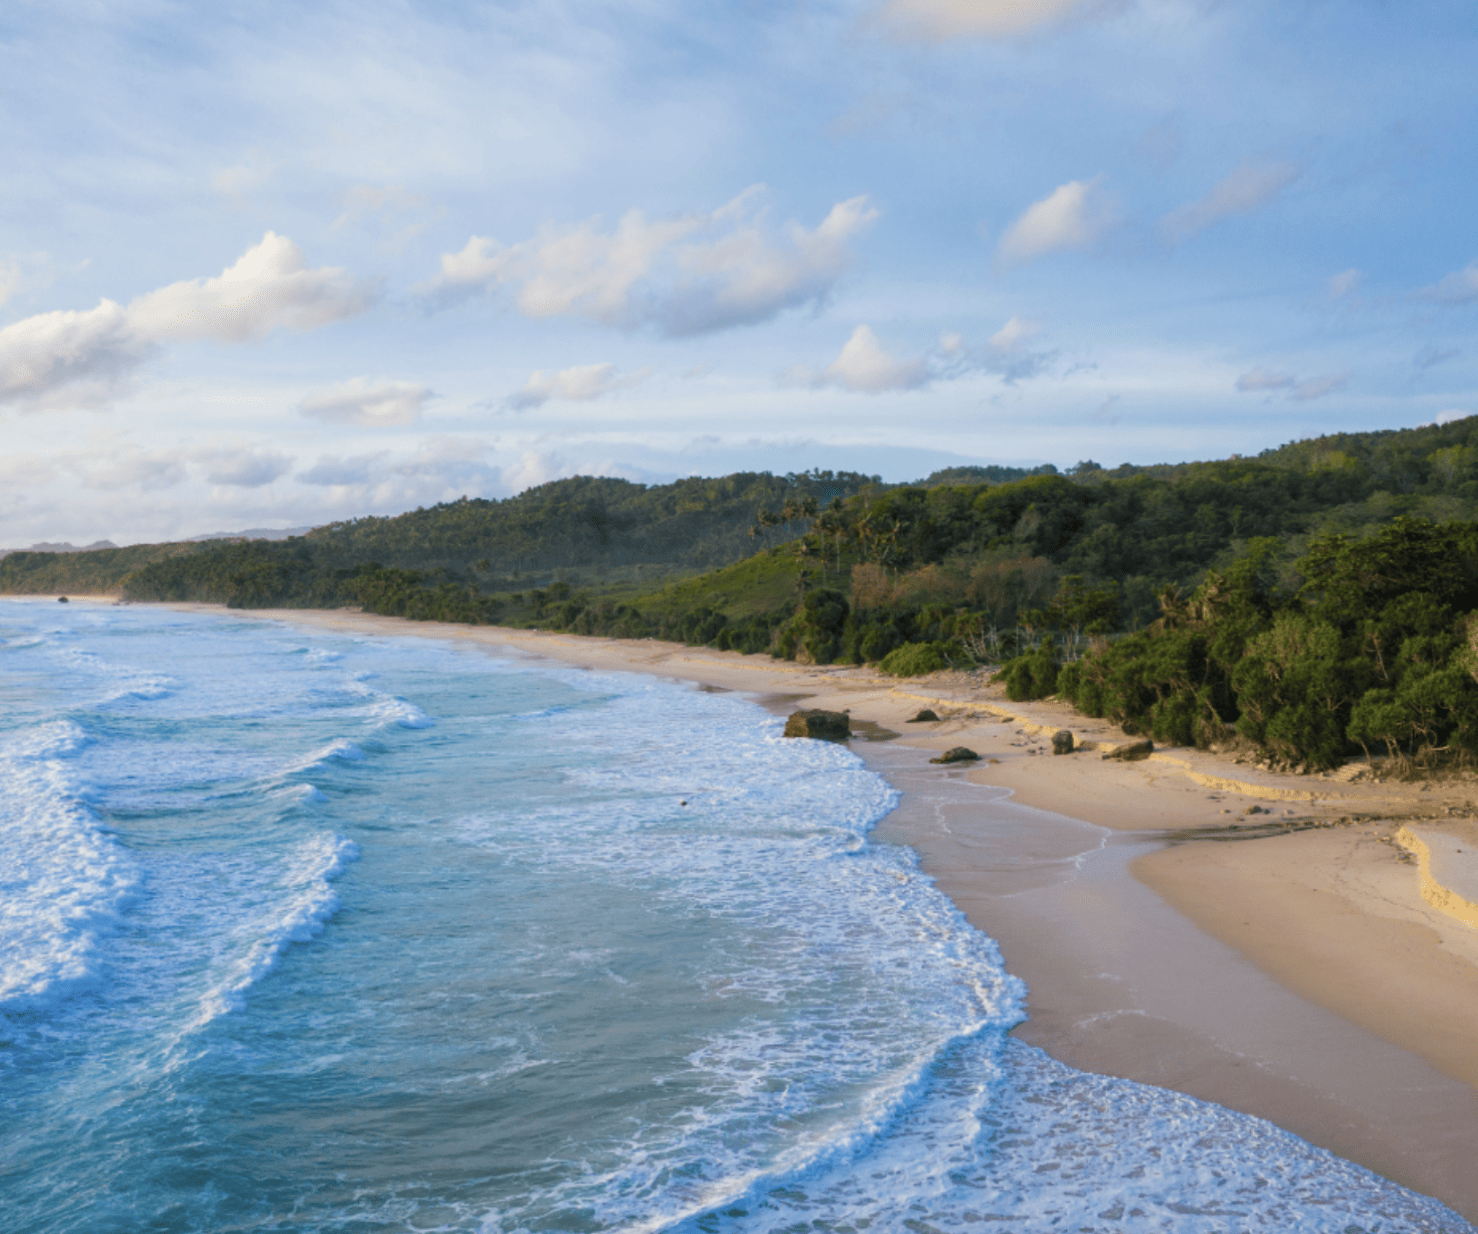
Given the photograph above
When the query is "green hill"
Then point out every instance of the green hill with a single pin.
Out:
(582, 531)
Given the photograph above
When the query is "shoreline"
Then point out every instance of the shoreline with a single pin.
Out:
(1292, 971)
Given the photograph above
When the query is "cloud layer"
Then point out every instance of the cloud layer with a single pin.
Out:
(865, 366)
(693, 274)
(69, 358)
(367, 402)
(1266, 381)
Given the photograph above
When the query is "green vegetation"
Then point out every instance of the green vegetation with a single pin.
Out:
(612, 534)
(1311, 601)
(97, 572)
(1376, 648)
(914, 660)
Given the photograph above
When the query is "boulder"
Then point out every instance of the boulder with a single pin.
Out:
(1133, 752)
(1062, 742)
(960, 754)
(925, 716)
(61, 599)
(824, 725)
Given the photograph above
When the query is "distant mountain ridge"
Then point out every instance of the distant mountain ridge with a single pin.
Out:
(47, 546)
(252, 533)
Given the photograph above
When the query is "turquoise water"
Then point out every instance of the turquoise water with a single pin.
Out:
(307, 932)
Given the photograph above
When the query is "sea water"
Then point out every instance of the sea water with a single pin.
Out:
(302, 931)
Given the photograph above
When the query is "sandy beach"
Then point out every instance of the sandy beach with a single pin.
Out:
(1254, 939)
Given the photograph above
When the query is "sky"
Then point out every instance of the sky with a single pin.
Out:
(272, 265)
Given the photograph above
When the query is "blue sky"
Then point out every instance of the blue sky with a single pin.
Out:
(273, 265)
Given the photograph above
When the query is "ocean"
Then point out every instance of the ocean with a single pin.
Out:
(310, 932)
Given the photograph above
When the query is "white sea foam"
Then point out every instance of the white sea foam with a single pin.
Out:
(381, 709)
(64, 882)
(391, 710)
(114, 682)
(341, 749)
(301, 900)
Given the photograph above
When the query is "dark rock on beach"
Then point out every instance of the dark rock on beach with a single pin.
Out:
(924, 717)
(825, 725)
(960, 754)
(1062, 742)
(1133, 752)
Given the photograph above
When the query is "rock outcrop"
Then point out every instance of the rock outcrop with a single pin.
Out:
(959, 754)
(824, 725)
(1133, 752)
(924, 717)
(1062, 742)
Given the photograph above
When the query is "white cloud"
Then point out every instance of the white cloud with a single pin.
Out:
(359, 469)
(243, 467)
(535, 467)
(1460, 287)
(1007, 355)
(687, 275)
(578, 384)
(938, 20)
(1264, 379)
(24, 471)
(1014, 333)
(67, 358)
(82, 358)
(269, 288)
(863, 365)
(1447, 417)
(128, 466)
(443, 469)
(1073, 216)
(1344, 283)
(1249, 186)
(364, 401)
(1318, 387)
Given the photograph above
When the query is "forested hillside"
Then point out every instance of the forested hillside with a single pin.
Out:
(95, 572)
(1212, 579)
(583, 530)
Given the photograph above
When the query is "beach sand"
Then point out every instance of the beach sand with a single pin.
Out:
(1282, 963)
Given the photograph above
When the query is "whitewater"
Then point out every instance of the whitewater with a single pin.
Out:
(307, 932)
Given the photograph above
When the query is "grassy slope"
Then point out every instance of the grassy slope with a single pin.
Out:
(758, 584)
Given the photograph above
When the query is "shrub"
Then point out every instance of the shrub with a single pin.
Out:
(1033, 675)
(914, 660)
(822, 619)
